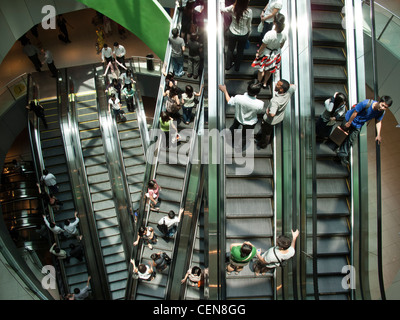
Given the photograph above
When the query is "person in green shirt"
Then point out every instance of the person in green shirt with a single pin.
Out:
(240, 255)
(165, 122)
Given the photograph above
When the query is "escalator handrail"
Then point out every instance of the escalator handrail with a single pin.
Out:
(150, 171)
(99, 269)
(378, 157)
(124, 208)
(37, 155)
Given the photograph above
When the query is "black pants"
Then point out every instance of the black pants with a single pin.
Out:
(52, 69)
(236, 124)
(265, 134)
(238, 42)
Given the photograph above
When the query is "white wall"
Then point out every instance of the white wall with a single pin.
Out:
(388, 74)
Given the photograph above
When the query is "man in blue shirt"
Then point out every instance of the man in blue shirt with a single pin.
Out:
(357, 117)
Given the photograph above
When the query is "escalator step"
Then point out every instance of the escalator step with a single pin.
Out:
(332, 187)
(129, 134)
(91, 142)
(329, 55)
(241, 207)
(332, 226)
(331, 5)
(99, 160)
(332, 246)
(93, 151)
(250, 227)
(326, 19)
(91, 133)
(331, 169)
(103, 205)
(50, 143)
(91, 124)
(253, 187)
(331, 284)
(329, 265)
(249, 288)
(329, 73)
(170, 182)
(332, 206)
(328, 37)
(323, 91)
(261, 167)
(177, 171)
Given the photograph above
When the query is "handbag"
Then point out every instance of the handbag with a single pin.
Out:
(281, 263)
(260, 26)
(338, 135)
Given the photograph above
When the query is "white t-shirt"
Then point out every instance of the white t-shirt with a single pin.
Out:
(270, 258)
(146, 275)
(272, 4)
(246, 108)
(114, 104)
(169, 222)
(49, 180)
(274, 40)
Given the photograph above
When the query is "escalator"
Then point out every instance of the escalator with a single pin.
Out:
(53, 153)
(170, 172)
(249, 198)
(99, 180)
(332, 179)
(132, 147)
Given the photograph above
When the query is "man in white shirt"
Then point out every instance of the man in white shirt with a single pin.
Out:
(84, 293)
(275, 112)
(276, 255)
(52, 226)
(106, 54)
(50, 181)
(119, 53)
(71, 228)
(247, 107)
(61, 254)
(171, 221)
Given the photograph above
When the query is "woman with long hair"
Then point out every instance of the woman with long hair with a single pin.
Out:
(188, 102)
(268, 56)
(238, 32)
(335, 108)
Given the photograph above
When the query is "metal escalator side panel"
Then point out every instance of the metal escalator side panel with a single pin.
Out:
(78, 176)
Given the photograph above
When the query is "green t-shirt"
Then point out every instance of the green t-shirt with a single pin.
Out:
(235, 254)
(164, 126)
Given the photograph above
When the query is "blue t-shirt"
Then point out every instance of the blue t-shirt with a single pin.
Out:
(364, 116)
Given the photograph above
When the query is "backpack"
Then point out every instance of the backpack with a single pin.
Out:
(166, 258)
(163, 228)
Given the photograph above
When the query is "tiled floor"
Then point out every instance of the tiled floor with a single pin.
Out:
(82, 51)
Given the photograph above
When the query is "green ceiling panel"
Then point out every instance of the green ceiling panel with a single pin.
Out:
(145, 18)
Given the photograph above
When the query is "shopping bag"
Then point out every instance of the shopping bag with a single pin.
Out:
(338, 135)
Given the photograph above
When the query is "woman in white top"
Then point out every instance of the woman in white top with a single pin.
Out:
(268, 15)
(335, 108)
(268, 56)
(238, 33)
(115, 105)
(188, 102)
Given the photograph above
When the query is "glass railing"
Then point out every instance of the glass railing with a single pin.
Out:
(380, 28)
(387, 27)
